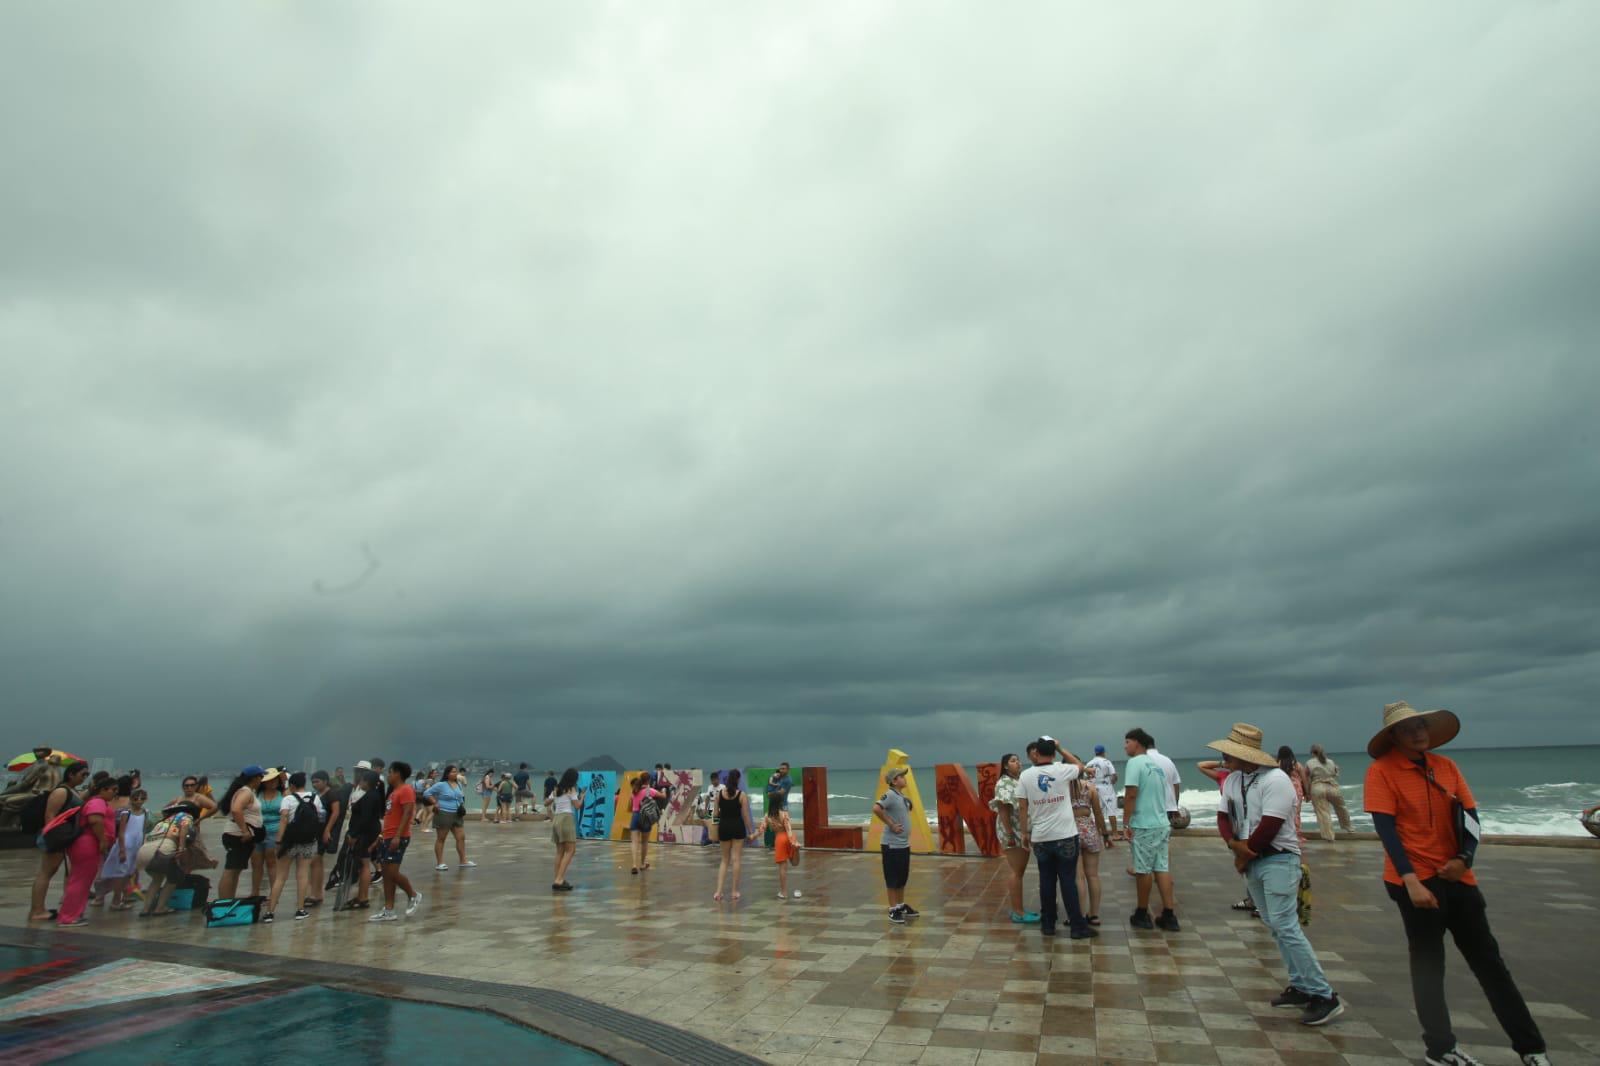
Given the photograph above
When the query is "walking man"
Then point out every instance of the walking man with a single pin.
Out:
(1044, 812)
(1326, 798)
(1105, 784)
(1144, 807)
(1256, 819)
(396, 838)
(1428, 821)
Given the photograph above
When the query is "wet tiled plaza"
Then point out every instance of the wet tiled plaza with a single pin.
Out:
(826, 979)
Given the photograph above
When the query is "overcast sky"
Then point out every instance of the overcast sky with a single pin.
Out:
(722, 382)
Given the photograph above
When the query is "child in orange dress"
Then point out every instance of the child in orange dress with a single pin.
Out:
(784, 847)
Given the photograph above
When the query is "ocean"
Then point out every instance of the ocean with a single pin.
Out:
(1520, 791)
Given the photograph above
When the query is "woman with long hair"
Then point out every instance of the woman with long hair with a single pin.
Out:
(242, 832)
(1301, 779)
(1009, 829)
(732, 832)
(565, 804)
(486, 789)
(639, 825)
(264, 860)
(58, 799)
(1089, 813)
(449, 801)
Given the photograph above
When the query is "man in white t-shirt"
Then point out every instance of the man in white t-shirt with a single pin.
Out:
(1174, 782)
(1256, 819)
(1044, 812)
(1105, 784)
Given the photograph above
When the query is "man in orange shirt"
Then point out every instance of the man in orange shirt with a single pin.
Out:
(392, 844)
(1428, 845)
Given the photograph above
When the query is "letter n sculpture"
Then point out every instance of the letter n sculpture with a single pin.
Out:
(960, 804)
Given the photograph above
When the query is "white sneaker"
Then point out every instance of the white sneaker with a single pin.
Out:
(413, 903)
(442, 866)
(797, 893)
(385, 915)
(1454, 1057)
(1536, 1058)
(468, 865)
(782, 896)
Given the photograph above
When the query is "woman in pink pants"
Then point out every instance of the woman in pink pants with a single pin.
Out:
(88, 851)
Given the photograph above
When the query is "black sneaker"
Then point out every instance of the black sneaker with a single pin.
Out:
(1140, 919)
(897, 916)
(1292, 997)
(1047, 930)
(301, 915)
(909, 911)
(266, 919)
(1169, 922)
(1086, 933)
(1321, 1011)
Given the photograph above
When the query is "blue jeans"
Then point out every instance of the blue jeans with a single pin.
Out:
(1058, 863)
(1274, 882)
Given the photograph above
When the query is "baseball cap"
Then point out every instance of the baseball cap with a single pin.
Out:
(252, 771)
(364, 764)
(1099, 749)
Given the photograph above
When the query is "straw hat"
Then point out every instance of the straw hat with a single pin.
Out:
(1442, 727)
(272, 772)
(1244, 743)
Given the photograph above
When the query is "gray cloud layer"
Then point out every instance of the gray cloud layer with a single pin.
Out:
(719, 381)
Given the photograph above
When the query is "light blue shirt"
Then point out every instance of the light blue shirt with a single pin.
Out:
(1150, 806)
(449, 797)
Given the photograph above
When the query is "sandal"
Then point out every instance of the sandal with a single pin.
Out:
(1093, 919)
(1244, 905)
(717, 896)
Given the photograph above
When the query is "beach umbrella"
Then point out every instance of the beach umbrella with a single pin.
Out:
(27, 759)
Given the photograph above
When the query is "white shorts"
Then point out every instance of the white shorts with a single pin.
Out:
(1108, 804)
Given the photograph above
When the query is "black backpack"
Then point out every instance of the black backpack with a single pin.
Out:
(33, 812)
(305, 827)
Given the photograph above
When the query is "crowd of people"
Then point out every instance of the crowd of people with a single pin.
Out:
(1059, 811)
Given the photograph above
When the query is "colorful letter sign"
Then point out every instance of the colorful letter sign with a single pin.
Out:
(814, 811)
(959, 804)
(921, 838)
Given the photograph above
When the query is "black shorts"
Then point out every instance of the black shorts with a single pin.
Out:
(391, 852)
(331, 847)
(237, 851)
(896, 866)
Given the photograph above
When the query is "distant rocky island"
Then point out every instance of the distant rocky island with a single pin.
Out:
(602, 762)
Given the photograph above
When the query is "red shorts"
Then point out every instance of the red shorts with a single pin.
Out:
(783, 846)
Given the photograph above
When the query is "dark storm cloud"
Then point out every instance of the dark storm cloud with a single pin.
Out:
(709, 384)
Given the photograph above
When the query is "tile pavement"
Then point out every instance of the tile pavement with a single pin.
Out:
(827, 980)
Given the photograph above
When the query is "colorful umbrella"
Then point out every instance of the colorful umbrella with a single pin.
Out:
(27, 759)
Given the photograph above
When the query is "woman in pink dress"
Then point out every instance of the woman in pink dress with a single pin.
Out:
(88, 851)
(1301, 777)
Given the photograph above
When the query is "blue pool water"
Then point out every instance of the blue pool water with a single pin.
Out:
(322, 1024)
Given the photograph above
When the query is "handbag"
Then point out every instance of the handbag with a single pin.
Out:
(243, 911)
(1461, 823)
(59, 833)
(794, 851)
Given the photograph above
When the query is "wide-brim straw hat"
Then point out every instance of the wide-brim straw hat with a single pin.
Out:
(1243, 742)
(1443, 726)
(271, 773)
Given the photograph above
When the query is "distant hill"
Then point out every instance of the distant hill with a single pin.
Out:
(602, 762)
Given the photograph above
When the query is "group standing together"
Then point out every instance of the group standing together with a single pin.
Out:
(1056, 809)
